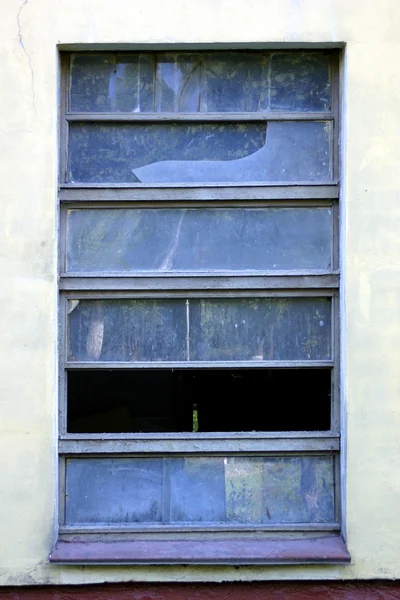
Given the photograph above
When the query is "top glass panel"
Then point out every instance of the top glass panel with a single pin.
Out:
(207, 82)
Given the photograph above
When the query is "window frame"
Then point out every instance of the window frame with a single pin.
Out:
(271, 283)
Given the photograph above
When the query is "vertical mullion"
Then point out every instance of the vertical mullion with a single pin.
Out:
(335, 402)
(62, 245)
(335, 236)
(112, 82)
(166, 491)
(337, 482)
(334, 68)
(203, 83)
(62, 490)
(187, 330)
(65, 89)
(62, 374)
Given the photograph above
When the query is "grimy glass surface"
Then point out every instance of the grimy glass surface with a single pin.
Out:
(168, 240)
(200, 82)
(205, 152)
(195, 490)
(200, 329)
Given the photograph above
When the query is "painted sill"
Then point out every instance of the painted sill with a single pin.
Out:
(321, 550)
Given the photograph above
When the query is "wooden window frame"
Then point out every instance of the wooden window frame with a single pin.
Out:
(247, 544)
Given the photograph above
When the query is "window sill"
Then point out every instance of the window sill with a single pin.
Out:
(322, 550)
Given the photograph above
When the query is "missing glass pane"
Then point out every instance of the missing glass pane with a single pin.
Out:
(199, 400)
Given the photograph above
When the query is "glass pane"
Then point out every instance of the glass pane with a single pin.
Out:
(130, 240)
(300, 82)
(178, 83)
(127, 330)
(260, 329)
(168, 153)
(200, 82)
(279, 489)
(200, 330)
(109, 83)
(114, 490)
(195, 490)
(236, 82)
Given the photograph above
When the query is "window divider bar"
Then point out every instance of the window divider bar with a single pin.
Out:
(262, 364)
(88, 530)
(212, 286)
(196, 445)
(249, 192)
(110, 117)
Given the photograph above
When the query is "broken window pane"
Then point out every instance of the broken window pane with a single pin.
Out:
(198, 400)
(196, 490)
(131, 240)
(200, 330)
(167, 153)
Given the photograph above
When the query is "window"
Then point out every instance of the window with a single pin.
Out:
(199, 406)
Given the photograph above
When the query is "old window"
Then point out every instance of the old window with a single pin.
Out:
(199, 407)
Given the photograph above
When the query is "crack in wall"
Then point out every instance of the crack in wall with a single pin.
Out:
(22, 44)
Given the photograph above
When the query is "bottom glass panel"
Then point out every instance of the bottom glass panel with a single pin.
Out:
(200, 490)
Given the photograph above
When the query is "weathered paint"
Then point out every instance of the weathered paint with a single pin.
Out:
(30, 32)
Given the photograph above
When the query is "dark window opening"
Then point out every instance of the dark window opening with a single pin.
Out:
(199, 400)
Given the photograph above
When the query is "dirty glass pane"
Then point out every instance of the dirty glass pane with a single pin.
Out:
(170, 153)
(235, 82)
(279, 489)
(129, 240)
(112, 83)
(260, 329)
(114, 490)
(200, 330)
(200, 82)
(178, 83)
(127, 330)
(300, 81)
(195, 490)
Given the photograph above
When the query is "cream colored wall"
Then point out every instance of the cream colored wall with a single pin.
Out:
(30, 31)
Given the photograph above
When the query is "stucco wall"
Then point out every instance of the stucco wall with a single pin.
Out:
(30, 31)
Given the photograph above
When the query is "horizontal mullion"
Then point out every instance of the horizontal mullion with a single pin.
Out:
(194, 444)
(174, 192)
(113, 117)
(174, 204)
(222, 285)
(145, 528)
(234, 364)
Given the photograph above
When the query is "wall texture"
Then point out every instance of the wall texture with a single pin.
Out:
(30, 34)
